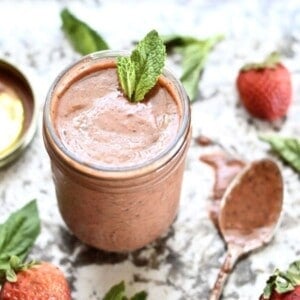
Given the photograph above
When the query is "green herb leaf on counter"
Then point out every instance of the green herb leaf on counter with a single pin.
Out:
(193, 63)
(140, 296)
(176, 40)
(287, 148)
(83, 38)
(194, 55)
(117, 292)
(17, 235)
(139, 72)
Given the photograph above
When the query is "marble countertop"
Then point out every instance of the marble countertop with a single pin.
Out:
(182, 265)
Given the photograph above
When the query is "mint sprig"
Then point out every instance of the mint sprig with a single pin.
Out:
(139, 72)
(83, 38)
(117, 292)
(287, 148)
(194, 56)
(17, 235)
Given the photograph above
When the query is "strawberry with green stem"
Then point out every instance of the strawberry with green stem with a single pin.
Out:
(284, 285)
(265, 88)
(38, 281)
(27, 281)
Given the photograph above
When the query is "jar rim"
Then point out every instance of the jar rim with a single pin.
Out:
(153, 163)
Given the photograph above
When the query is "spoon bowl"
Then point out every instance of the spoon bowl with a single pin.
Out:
(250, 211)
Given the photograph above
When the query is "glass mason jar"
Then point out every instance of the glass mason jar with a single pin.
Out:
(119, 208)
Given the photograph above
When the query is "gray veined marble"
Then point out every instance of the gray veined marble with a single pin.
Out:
(183, 264)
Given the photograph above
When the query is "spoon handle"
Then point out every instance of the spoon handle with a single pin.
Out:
(232, 256)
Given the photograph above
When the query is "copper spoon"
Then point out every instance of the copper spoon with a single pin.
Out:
(250, 210)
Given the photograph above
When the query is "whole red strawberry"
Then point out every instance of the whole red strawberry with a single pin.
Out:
(265, 88)
(39, 282)
(284, 285)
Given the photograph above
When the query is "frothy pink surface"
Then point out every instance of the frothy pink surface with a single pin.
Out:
(96, 123)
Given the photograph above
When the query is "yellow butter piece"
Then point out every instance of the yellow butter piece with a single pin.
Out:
(11, 122)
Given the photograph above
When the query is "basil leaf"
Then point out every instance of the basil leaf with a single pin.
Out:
(288, 149)
(139, 72)
(19, 233)
(194, 55)
(83, 38)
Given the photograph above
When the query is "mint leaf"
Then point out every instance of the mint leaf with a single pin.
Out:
(194, 55)
(18, 234)
(139, 73)
(149, 59)
(287, 148)
(126, 73)
(117, 292)
(83, 38)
